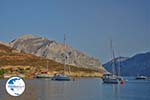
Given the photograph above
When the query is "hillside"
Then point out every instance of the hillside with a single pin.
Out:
(53, 50)
(136, 65)
(13, 62)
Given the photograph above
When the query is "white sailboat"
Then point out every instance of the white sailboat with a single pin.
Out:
(44, 74)
(112, 78)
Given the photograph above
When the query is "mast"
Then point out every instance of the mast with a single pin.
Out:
(66, 57)
(47, 66)
(119, 68)
(64, 53)
(113, 58)
(119, 65)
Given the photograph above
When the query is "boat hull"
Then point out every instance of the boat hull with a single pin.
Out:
(43, 76)
(61, 78)
(111, 81)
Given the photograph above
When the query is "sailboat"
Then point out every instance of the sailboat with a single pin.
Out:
(140, 77)
(44, 74)
(63, 76)
(112, 78)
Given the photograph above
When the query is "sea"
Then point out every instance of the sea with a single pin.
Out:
(80, 89)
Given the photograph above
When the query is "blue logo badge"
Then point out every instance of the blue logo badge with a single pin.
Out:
(15, 86)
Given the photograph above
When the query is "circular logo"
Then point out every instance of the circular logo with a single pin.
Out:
(15, 86)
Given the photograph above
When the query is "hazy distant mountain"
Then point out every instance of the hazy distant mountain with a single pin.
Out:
(55, 51)
(136, 65)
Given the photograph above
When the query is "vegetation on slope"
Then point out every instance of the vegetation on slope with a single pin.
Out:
(13, 62)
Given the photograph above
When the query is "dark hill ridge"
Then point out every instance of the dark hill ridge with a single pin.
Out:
(136, 65)
(15, 62)
(53, 50)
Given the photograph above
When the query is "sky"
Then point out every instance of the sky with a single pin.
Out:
(89, 25)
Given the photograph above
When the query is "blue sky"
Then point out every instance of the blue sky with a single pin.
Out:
(88, 24)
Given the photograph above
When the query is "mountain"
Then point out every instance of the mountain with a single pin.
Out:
(14, 62)
(139, 64)
(53, 50)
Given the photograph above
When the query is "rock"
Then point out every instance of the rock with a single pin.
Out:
(55, 51)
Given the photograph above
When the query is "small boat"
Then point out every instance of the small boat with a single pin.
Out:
(141, 77)
(110, 79)
(113, 78)
(60, 77)
(44, 75)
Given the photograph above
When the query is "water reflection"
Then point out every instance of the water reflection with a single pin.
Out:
(112, 91)
(81, 89)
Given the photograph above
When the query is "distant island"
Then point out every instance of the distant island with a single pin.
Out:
(139, 64)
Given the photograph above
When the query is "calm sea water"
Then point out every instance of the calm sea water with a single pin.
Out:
(80, 89)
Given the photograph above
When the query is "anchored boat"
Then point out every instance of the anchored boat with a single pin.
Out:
(62, 77)
(112, 78)
(141, 77)
(44, 74)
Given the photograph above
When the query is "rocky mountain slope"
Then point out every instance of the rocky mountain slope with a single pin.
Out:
(136, 65)
(13, 62)
(55, 51)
